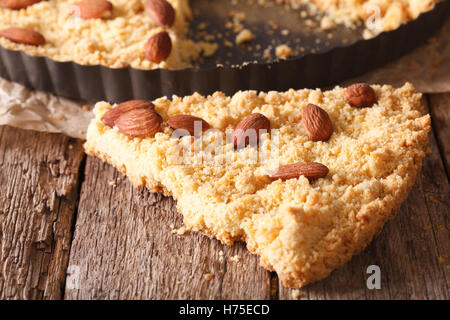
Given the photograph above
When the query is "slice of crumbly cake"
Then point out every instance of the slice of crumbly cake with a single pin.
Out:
(315, 190)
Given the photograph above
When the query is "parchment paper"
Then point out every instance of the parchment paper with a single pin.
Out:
(427, 67)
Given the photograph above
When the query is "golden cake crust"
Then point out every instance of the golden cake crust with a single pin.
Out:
(301, 230)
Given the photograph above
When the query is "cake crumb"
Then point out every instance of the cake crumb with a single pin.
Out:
(181, 231)
(201, 26)
(285, 32)
(221, 254)
(327, 23)
(208, 276)
(85, 108)
(283, 51)
(245, 35)
(227, 43)
(112, 183)
(296, 294)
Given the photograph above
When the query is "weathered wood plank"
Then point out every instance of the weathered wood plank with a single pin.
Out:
(412, 250)
(123, 248)
(38, 193)
(440, 112)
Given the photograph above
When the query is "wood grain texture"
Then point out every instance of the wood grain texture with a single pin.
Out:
(123, 248)
(440, 112)
(38, 196)
(412, 250)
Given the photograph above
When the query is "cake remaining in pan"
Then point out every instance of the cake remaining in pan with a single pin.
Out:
(150, 34)
(308, 193)
(116, 39)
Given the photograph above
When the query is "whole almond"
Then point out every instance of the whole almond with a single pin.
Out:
(161, 12)
(360, 95)
(187, 122)
(18, 4)
(139, 123)
(158, 47)
(317, 123)
(311, 170)
(251, 126)
(92, 9)
(110, 117)
(23, 35)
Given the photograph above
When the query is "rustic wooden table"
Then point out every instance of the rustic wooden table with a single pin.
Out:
(72, 227)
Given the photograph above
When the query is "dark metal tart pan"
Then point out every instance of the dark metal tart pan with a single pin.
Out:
(323, 62)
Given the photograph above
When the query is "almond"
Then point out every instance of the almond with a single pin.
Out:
(249, 128)
(161, 12)
(92, 9)
(110, 117)
(139, 123)
(317, 123)
(18, 4)
(23, 35)
(360, 95)
(158, 47)
(311, 170)
(187, 122)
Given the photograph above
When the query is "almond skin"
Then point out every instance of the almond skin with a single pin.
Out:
(23, 35)
(158, 47)
(360, 95)
(317, 123)
(92, 9)
(161, 12)
(110, 117)
(186, 122)
(18, 4)
(311, 170)
(256, 122)
(139, 123)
